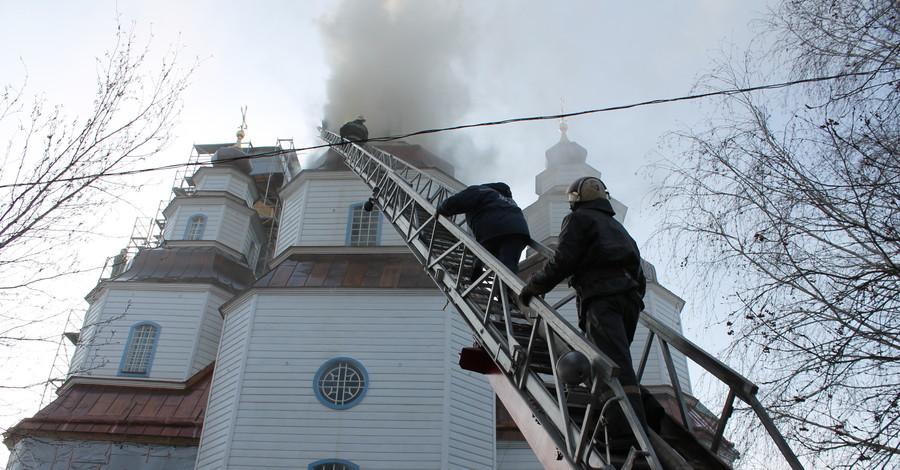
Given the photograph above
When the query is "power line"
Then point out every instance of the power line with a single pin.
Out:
(734, 91)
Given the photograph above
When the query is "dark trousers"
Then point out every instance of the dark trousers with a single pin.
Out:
(610, 323)
(508, 249)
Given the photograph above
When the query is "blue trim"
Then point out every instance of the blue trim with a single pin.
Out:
(346, 463)
(350, 225)
(128, 345)
(326, 365)
(190, 220)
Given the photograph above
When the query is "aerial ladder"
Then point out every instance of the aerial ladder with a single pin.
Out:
(532, 353)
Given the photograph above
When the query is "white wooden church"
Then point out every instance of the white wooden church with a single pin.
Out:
(275, 324)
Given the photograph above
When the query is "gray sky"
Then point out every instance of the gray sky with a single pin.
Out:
(440, 63)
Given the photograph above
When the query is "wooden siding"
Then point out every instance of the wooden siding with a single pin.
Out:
(292, 212)
(471, 403)
(326, 210)
(55, 454)
(223, 397)
(87, 335)
(402, 341)
(316, 205)
(516, 455)
(185, 209)
(228, 180)
(210, 331)
(240, 230)
(227, 222)
(176, 309)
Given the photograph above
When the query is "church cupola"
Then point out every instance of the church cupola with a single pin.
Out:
(566, 161)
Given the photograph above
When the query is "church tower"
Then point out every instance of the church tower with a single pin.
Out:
(138, 382)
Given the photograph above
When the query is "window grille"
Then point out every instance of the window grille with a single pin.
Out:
(196, 224)
(140, 348)
(340, 383)
(333, 465)
(363, 227)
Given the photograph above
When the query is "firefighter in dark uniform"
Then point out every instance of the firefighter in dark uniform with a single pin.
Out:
(495, 219)
(605, 268)
(355, 130)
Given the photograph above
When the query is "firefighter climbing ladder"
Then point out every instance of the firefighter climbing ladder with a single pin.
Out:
(562, 422)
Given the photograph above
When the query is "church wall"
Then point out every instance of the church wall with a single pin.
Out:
(236, 230)
(226, 383)
(176, 223)
(226, 179)
(406, 420)
(87, 334)
(516, 455)
(174, 309)
(210, 332)
(470, 412)
(55, 454)
(327, 209)
(293, 202)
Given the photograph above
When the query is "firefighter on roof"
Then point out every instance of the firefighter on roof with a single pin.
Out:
(355, 130)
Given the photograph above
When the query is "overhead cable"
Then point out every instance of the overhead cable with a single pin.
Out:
(729, 92)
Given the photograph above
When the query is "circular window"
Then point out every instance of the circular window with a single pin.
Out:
(340, 383)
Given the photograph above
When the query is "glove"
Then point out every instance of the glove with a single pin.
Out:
(528, 292)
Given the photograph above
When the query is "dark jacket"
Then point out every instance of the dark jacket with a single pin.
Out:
(490, 211)
(354, 130)
(597, 252)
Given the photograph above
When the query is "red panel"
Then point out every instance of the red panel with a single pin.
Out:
(542, 445)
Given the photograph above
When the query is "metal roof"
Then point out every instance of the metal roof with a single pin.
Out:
(388, 270)
(196, 264)
(122, 413)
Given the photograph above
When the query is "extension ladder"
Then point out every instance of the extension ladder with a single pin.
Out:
(561, 421)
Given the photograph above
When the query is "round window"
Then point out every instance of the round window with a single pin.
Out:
(341, 383)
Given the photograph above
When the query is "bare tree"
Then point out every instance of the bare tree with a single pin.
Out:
(795, 198)
(58, 174)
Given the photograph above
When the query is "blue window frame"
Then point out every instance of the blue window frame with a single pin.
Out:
(341, 383)
(195, 227)
(363, 228)
(333, 464)
(139, 350)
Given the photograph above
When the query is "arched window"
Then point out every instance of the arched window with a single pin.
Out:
(139, 349)
(333, 464)
(195, 226)
(363, 228)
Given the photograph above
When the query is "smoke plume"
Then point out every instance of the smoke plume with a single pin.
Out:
(401, 64)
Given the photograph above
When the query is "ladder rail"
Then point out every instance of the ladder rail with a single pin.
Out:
(738, 386)
(406, 197)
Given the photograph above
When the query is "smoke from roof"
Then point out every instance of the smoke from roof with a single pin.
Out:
(399, 63)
